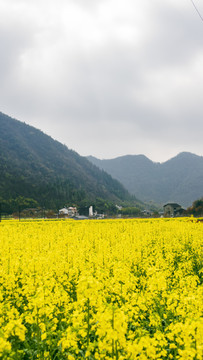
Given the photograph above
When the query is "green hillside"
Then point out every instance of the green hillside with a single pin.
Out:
(41, 171)
(179, 179)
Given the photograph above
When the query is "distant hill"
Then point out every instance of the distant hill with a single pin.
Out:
(179, 179)
(33, 165)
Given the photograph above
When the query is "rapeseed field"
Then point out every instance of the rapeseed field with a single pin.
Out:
(105, 289)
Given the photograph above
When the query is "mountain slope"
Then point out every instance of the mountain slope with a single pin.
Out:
(179, 179)
(34, 165)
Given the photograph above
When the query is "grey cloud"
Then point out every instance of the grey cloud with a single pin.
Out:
(176, 35)
(115, 97)
(12, 45)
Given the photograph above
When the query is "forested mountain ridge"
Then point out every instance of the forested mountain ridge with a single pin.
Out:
(179, 179)
(33, 165)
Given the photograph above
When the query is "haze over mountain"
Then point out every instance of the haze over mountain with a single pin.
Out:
(179, 179)
(33, 165)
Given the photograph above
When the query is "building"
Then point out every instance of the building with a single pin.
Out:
(146, 213)
(63, 211)
(91, 213)
(71, 211)
(173, 209)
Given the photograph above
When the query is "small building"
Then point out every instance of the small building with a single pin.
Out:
(172, 210)
(100, 216)
(63, 211)
(91, 213)
(71, 211)
(146, 213)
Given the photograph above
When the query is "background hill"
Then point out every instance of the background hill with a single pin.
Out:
(179, 179)
(47, 173)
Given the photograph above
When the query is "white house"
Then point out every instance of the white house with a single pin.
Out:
(71, 211)
(63, 211)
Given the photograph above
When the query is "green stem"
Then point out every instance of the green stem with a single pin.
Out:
(116, 350)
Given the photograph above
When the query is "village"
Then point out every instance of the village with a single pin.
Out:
(170, 210)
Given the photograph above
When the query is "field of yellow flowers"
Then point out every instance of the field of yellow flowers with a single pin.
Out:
(102, 289)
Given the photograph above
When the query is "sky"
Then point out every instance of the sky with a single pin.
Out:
(106, 77)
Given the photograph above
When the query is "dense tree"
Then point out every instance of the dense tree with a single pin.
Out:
(39, 171)
(197, 208)
(131, 211)
(178, 179)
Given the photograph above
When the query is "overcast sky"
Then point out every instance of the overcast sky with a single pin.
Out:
(106, 77)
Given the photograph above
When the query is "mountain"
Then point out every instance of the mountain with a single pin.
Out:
(179, 179)
(34, 166)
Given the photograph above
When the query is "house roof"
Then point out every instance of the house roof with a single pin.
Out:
(172, 204)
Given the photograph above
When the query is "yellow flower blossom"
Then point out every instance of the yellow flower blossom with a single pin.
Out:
(108, 289)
